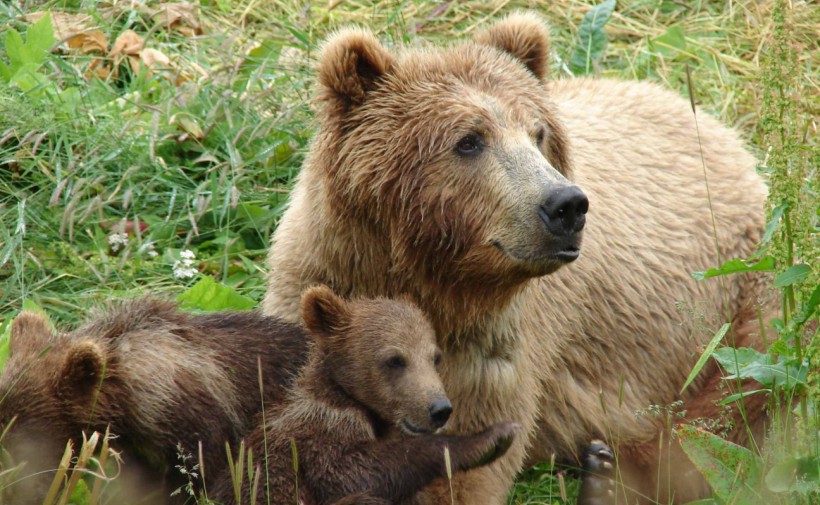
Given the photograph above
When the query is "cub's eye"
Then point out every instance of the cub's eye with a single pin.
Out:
(470, 145)
(395, 362)
(437, 359)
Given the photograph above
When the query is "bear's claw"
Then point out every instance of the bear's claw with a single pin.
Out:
(598, 479)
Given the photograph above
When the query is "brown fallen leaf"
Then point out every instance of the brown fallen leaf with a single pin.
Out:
(66, 26)
(89, 42)
(154, 59)
(190, 126)
(127, 47)
(180, 16)
(128, 43)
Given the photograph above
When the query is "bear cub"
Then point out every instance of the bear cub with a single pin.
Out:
(163, 379)
(363, 411)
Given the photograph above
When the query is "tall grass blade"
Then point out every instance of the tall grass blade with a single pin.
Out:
(707, 352)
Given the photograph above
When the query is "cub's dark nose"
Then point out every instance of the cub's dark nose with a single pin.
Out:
(564, 210)
(440, 411)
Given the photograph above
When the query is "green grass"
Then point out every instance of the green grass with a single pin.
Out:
(200, 155)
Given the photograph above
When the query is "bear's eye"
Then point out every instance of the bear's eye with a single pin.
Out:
(470, 145)
(395, 362)
(437, 359)
(540, 135)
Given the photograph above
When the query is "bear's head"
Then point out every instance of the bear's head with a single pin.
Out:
(47, 392)
(453, 156)
(383, 354)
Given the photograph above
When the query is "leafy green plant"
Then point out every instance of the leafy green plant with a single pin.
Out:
(670, 44)
(786, 469)
(591, 38)
(25, 61)
(734, 472)
(210, 295)
(26, 57)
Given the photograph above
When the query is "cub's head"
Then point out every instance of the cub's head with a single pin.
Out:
(47, 392)
(453, 155)
(383, 354)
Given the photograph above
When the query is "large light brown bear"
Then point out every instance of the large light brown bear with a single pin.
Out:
(445, 173)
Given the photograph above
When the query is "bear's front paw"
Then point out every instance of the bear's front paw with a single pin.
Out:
(487, 446)
(598, 478)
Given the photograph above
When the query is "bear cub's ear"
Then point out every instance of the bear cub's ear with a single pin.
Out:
(30, 332)
(324, 313)
(83, 368)
(350, 63)
(524, 35)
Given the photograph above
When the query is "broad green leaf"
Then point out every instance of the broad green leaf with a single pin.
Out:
(5, 72)
(16, 50)
(807, 310)
(591, 38)
(209, 295)
(801, 475)
(80, 495)
(792, 275)
(670, 44)
(39, 39)
(250, 213)
(771, 226)
(785, 377)
(750, 364)
(732, 471)
(160, 230)
(705, 356)
(28, 79)
(69, 98)
(734, 360)
(765, 264)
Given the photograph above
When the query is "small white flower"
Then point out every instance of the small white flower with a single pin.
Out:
(118, 241)
(183, 272)
(148, 248)
(184, 267)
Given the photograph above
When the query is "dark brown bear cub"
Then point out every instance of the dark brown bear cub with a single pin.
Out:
(161, 378)
(363, 411)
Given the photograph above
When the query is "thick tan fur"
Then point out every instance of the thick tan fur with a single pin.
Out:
(383, 206)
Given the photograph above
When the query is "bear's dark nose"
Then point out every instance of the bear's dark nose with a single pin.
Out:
(564, 210)
(440, 411)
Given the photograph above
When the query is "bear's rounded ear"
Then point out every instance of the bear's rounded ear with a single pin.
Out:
(30, 332)
(83, 369)
(350, 63)
(524, 35)
(323, 312)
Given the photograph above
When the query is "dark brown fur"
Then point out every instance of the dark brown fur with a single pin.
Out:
(157, 376)
(348, 410)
